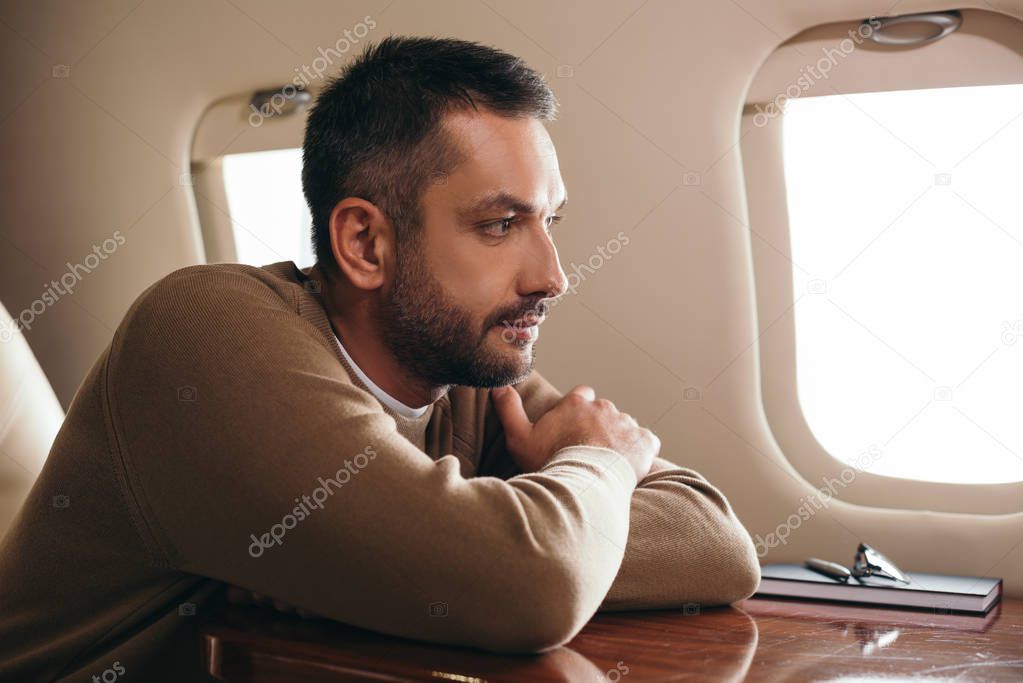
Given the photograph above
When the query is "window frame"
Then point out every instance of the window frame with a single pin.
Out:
(761, 149)
(229, 126)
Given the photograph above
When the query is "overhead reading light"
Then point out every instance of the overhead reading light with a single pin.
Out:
(913, 29)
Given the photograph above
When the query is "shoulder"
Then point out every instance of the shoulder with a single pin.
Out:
(213, 293)
(217, 282)
(224, 304)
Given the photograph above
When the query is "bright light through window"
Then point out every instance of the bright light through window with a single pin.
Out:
(269, 215)
(906, 214)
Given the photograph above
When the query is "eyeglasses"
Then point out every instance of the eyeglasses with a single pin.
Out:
(867, 563)
(870, 562)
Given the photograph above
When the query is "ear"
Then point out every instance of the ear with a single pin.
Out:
(362, 242)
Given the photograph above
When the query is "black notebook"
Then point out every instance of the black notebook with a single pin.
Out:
(925, 591)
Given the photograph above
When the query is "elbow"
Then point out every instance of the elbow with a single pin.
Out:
(552, 606)
(738, 567)
(549, 630)
(746, 580)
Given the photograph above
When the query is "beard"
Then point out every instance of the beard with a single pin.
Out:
(435, 339)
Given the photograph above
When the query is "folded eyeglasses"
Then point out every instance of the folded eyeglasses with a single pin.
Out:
(867, 563)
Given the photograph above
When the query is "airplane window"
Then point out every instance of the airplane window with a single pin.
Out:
(269, 215)
(907, 249)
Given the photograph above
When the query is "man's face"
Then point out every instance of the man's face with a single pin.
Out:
(485, 258)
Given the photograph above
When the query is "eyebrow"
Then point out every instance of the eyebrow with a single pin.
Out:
(502, 200)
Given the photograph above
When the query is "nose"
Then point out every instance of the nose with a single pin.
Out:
(543, 273)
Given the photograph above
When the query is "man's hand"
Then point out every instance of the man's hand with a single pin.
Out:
(579, 418)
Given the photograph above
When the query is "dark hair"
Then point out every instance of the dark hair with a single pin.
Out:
(375, 131)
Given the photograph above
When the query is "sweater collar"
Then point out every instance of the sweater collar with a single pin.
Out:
(317, 315)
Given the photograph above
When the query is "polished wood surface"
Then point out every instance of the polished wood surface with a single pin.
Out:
(756, 640)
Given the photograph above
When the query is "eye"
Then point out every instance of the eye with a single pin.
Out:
(504, 224)
(500, 228)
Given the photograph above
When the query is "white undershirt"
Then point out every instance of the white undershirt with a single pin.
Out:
(385, 398)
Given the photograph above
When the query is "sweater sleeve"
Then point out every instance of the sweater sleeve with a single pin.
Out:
(249, 457)
(685, 544)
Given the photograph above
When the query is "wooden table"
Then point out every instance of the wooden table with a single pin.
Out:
(756, 640)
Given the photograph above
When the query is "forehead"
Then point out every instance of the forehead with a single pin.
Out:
(499, 154)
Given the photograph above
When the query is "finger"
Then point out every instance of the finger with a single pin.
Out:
(585, 391)
(513, 416)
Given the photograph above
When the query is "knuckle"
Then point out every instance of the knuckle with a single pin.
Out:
(584, 391)
(574, 398)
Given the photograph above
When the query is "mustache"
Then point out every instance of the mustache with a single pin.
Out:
(531, 313)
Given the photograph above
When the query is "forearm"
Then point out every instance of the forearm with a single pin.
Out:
(509, 566)
(685, 546)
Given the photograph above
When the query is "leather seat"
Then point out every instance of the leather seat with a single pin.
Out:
(30, 417)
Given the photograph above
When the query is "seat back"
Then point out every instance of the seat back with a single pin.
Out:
(30, 417)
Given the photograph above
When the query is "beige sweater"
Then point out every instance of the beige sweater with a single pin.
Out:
(221, 438)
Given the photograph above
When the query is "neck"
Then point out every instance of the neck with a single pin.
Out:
(350, 314)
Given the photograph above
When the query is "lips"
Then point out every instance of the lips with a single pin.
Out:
(523, 323)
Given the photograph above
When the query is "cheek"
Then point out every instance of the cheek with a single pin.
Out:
(480, 302)
(478, 283)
